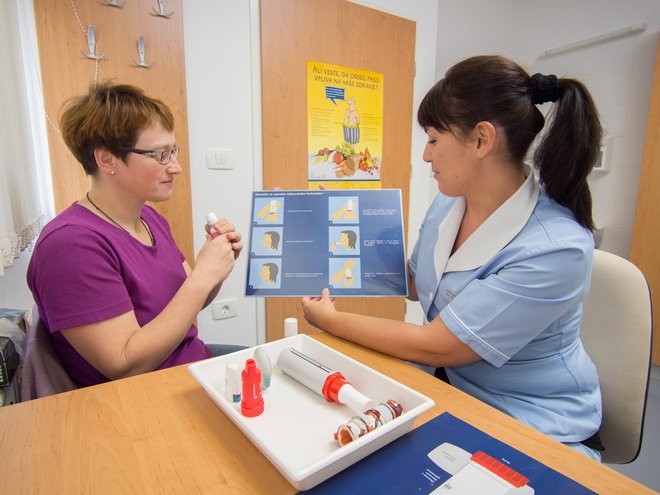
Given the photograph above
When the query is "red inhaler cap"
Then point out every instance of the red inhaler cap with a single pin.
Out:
(332, 385)
(252, 403)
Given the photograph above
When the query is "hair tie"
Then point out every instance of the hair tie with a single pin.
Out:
(545, 88)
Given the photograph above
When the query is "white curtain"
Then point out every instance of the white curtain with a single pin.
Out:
(25, 186)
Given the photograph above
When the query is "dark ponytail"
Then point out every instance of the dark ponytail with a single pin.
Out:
(498, 90)
(569, 148)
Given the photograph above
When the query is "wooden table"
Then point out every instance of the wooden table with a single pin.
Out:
(161, 433)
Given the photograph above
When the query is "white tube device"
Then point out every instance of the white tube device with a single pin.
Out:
(326, 382)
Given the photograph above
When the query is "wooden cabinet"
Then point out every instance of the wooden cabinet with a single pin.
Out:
(645, 246)
(337, 32)
(66, 72)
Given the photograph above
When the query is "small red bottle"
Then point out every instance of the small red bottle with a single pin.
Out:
(252, 403)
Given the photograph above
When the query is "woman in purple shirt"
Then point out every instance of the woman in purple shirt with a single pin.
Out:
(110, 283)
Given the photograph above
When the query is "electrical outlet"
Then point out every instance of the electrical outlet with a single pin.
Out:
(224, 308)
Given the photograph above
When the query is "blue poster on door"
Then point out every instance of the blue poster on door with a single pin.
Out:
(350, 241)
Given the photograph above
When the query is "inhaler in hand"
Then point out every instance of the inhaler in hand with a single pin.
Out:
(211, 220)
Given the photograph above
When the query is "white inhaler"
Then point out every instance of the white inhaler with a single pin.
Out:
(211, 220)
(324, 381)
(290, 327)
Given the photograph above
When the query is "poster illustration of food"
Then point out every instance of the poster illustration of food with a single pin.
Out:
(345, 127)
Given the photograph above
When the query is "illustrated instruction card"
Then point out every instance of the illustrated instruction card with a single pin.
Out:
(350, 241)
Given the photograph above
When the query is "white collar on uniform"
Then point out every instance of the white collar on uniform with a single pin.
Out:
(491, 236)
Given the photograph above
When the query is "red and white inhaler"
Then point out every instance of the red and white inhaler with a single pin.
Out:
(211, 220)
(324, 381)
(252, 402)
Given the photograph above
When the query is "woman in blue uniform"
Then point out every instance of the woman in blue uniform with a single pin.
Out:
(503, 259)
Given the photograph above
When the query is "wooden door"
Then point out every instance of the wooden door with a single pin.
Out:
(61, 32)
(337, 32)
(645, 247)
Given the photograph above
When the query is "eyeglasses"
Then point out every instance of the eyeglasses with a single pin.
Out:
(162, 156)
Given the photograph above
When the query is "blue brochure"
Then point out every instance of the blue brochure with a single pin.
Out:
(447, 455)
(350, 241)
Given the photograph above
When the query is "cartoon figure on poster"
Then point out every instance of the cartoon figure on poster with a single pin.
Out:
(345, 273)
(344, 240)
(345, 109)
(265, 273)
(266, 241)
(351, 123)
(268, 210)
(343, 209)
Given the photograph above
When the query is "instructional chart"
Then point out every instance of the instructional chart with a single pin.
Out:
(350, 241)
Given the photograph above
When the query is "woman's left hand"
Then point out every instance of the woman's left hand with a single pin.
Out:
(223, 226)
(319, 310)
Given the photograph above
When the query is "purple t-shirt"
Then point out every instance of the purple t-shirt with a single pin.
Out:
(84, 270)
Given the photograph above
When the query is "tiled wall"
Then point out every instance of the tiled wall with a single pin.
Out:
(619, 75)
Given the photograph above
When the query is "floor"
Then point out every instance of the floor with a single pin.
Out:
(645, 468)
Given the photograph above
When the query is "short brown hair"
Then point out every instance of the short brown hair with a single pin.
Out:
(110, 116)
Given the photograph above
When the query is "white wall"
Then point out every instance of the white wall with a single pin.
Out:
(14, 292)
(618, 73)
(220, 113)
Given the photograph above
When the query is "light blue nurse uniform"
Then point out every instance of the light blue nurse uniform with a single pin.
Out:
(513, 292)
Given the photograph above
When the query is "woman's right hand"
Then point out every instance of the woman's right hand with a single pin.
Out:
(215, 261)
(318, 310)
(223, 226)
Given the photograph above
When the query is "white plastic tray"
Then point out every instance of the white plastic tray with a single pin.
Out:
(296, 430)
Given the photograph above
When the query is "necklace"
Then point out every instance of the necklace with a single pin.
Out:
(151, 237)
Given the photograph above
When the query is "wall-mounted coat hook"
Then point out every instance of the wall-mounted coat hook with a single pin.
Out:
(91, 45)
(114, 3)
(161, 10)
(141, 51)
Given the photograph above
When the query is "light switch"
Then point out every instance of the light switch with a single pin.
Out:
(219, 158)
